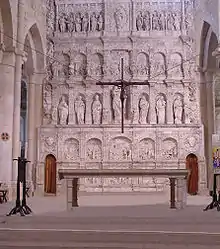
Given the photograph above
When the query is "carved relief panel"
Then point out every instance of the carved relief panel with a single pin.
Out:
(94, 150)
(146, 149)
(169, 148)
(47, 145)
(79, 18)
(120, 149)
(117, 16)
(71, 149)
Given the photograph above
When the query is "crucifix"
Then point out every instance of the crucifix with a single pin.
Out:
(122, 84)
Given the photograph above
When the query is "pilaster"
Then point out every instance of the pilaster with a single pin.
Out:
(152, 100)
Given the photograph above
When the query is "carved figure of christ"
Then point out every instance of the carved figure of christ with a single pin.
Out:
(122, 84)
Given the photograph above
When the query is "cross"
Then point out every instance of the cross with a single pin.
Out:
(122, 84)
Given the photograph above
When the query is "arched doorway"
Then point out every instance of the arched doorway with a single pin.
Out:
(193, 179)
(50, 175)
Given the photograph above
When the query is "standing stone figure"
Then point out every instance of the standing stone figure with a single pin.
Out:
(178, 110)
(63, 111)
(78, 22)
(70, 23)
(161, 110)
(80, 110)
(96, 110)
(50, 49)
(100, 20)
(139, 22)
(116, 104)
(85, 22)
(143, 110)
(62, 24)
(93, 22)
(146, 21)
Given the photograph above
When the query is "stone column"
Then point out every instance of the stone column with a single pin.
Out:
(31, 125)
(89, 98)
(181, 189)
(152, 100)
(72, 96)
(107, 110)
(169, 109)
(17, 87)
(7, 72)
(134, 104)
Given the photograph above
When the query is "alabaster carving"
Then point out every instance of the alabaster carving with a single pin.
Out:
(116, 104)
(47, 99)
(80, 108)
(50, 49)
(80, 22)
(78, 66)
(170, 149)
(95, 65)
(176, 66)
(86, 42)
(54, 115)
(161, 109)
(96, 110)
(178, 109)
(143, 110)
(120, 17)
(146, 149)
(158, 68)
(142, 65)
(48, 144)
(120, 149)
(94, 150)
(63, 111)
(71, 149)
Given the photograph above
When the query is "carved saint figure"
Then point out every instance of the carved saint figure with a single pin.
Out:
(178, 110)
(93, 22)
(116, 103)
(70, 23)
(80, 110)
(85, 22)
(55, 69)
(100, 22)
(143, 110)
(161, 110)
(50, 50)
(139, 22)
(119, 19)
(155, 24)
(78, 22)
(169, 21)
(146, 22)
(63, 111)
(96, 110)
(62, 23)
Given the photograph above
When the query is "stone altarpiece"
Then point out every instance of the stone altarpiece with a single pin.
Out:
(81, 121)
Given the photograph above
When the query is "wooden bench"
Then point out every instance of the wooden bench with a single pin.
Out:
(177, 179)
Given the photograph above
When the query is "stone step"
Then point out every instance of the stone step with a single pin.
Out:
(49, 238)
